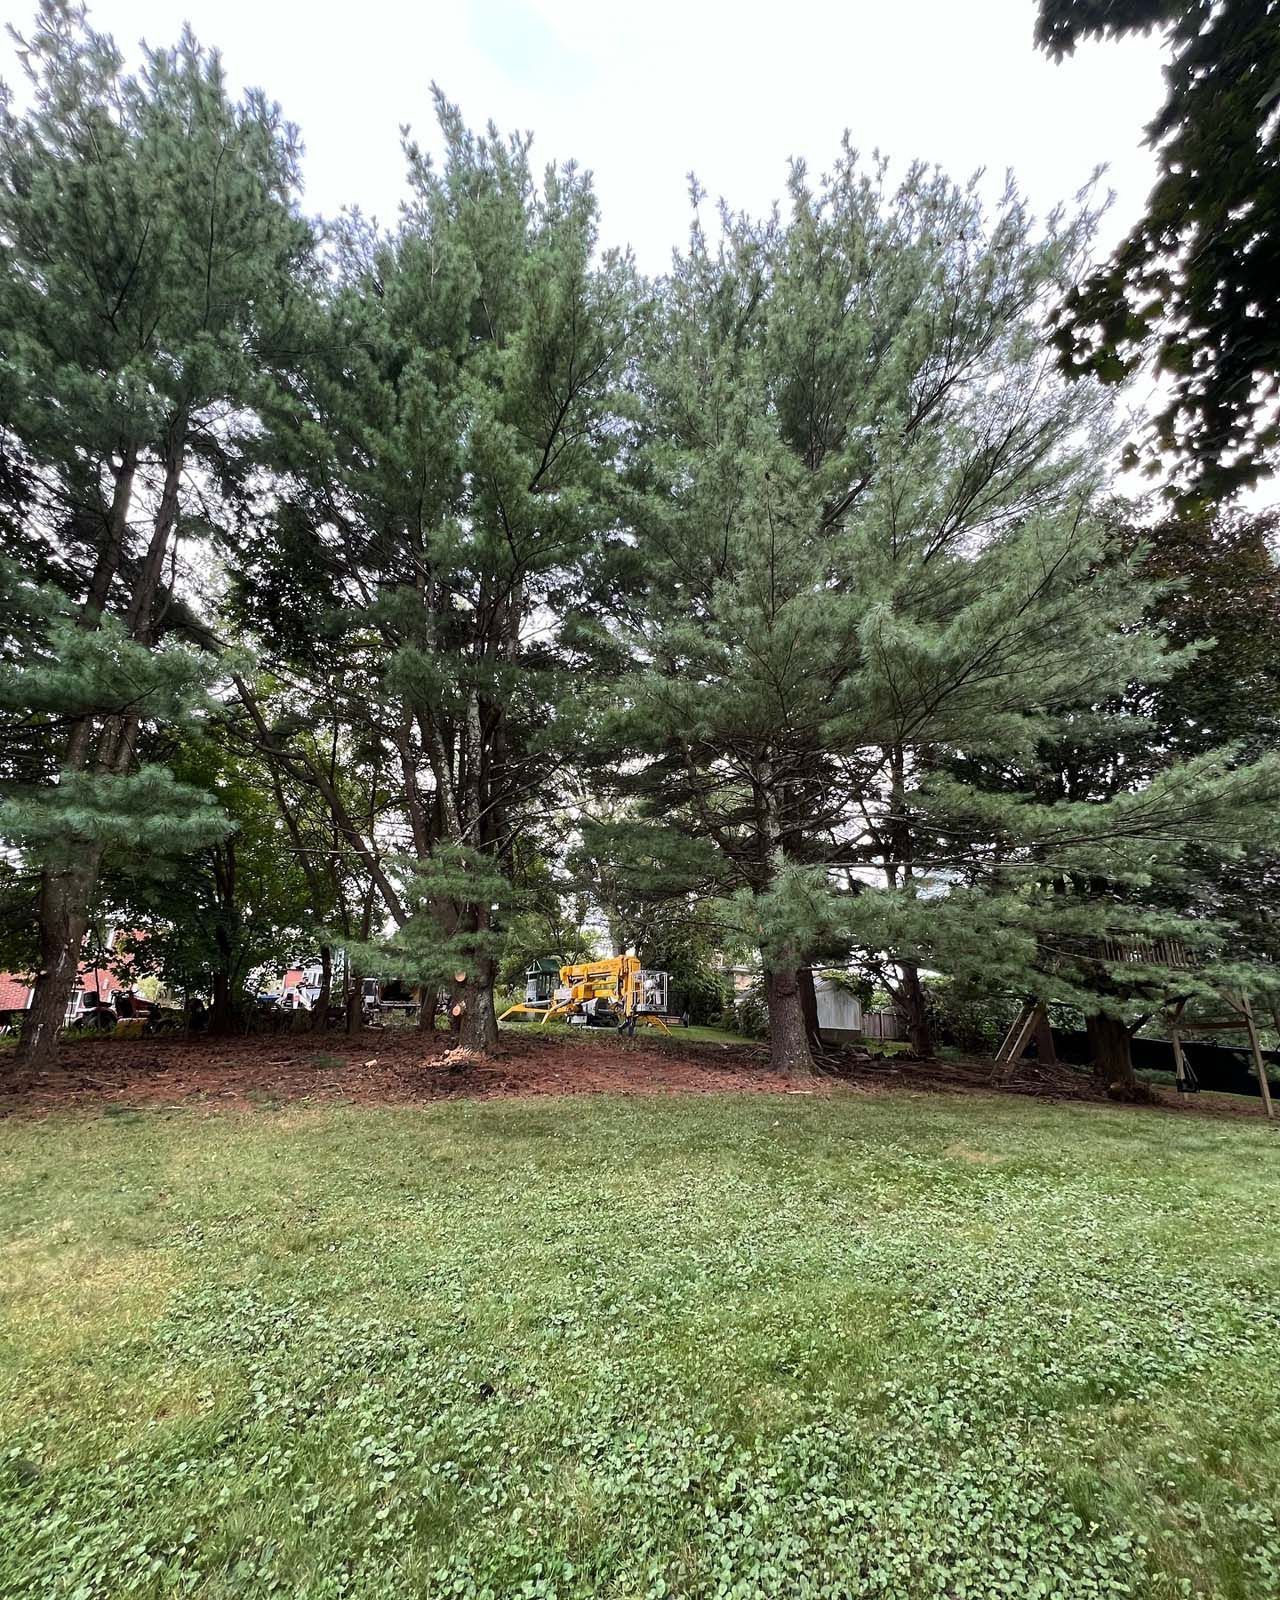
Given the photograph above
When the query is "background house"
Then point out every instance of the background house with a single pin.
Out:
(95, 986)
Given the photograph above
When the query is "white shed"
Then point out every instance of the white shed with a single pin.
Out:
(839, 1012)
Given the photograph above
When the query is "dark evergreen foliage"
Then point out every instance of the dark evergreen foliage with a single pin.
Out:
(1192, 287)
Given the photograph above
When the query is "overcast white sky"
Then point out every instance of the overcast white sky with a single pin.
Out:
(643, 93)
(647, 92)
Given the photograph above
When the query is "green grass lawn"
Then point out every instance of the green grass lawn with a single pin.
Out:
(698, 1033)
(851, 1345)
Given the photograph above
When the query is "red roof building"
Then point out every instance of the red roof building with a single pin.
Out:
(96, 983)
(15, 993)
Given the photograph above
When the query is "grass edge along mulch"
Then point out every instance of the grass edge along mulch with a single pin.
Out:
(396, 1066)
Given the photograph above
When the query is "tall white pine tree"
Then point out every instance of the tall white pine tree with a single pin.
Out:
(446, 468)
(150, 251)
(864, 511)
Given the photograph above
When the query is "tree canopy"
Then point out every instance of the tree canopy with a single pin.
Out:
(430, 598)
(1191, 289)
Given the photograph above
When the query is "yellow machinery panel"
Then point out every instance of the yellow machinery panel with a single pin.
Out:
(613, 992)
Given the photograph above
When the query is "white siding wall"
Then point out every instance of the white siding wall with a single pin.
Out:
(836, 1007)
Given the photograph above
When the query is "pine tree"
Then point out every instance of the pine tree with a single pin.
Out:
(449, 937)
(446, 471)
(150, 251)
(58, 674)
(861, 508)
(1221, 577)
(1142, 815)
(1094, 901)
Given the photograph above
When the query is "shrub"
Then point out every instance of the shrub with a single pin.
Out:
(747, 1013)
(967, 1016)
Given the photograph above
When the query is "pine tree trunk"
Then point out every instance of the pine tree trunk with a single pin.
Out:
(64, 918)
(1112, 1055)
(809, 1006)
(65, 895)
(788, 1037)
(479, 1031)
(915, 1012)
(111, 549)
(320, 1012)
(427, 1002)
(140, 619)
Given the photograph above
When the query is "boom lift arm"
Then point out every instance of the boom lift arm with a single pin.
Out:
(616, 992)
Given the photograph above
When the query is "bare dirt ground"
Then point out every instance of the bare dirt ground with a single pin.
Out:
(403, 1067)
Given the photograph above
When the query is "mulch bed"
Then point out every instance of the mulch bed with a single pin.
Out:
(374, 1067)
(403, 1067)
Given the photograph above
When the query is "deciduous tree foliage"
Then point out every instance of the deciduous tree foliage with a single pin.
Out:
(1192, 287)
(1219, 591)
(211, 918)
(550, 912)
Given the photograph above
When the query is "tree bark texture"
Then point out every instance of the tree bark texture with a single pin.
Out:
(915, 1011)
(1111, 1053)
(64, 919)
(809, 1006)
(479, 1030)
(788, 1038)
